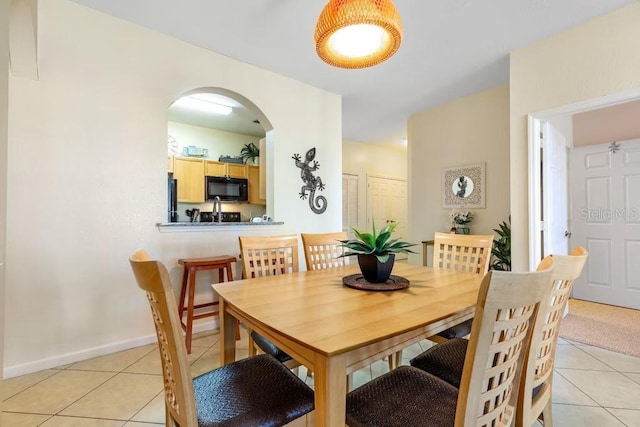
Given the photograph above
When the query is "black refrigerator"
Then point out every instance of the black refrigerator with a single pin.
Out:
(172, 203)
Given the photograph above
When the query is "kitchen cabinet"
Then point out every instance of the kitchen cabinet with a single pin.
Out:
(190, 176)
(232, 170)
(253, 173)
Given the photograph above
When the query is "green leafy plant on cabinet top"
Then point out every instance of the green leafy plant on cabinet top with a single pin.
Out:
(250, 151)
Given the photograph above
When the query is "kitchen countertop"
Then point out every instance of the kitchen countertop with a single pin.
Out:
(175, 226)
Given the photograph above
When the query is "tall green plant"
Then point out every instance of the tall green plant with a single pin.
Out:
(501, 249)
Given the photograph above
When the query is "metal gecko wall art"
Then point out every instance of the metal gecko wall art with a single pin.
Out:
(318, 204)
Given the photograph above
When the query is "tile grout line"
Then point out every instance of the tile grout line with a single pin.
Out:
(614, 416)
(601, 361)
(131, 419)
(27, 388)
(606, 409)
(99, 385)
(93, 389)
(555, 371)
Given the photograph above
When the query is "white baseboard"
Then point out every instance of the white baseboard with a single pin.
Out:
(89, 353)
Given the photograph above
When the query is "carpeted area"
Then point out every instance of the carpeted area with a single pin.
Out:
(606, 326)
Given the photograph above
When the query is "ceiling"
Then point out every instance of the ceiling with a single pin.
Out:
(450, 48)
(240, 120)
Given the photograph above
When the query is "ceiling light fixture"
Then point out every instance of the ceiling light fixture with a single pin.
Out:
(358, 33)
(194, 103)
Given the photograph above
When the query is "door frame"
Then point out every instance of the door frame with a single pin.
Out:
(533, 131)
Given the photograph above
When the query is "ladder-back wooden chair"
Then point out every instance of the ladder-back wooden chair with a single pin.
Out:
(408, 396)
(268, 256)
(534, 399)
(253, 391)
(463, 252)
(322, 250)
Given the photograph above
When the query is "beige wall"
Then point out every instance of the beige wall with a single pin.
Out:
(372, 160)
(592, 60)
(4, 111)
(466, 131)
(87, 177)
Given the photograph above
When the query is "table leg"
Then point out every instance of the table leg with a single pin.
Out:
(330, 385)
(227, 335)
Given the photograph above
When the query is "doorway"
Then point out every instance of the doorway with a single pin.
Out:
(349, 203)
(545, 183)
(605, 188)
(387, 204)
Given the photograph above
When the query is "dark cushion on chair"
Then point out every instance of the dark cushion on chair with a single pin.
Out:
(404, 397)
(254, 391)
(444, 360)
(269, 348)
(458, 331)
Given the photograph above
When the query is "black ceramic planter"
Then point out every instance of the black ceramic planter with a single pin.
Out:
(373, 270)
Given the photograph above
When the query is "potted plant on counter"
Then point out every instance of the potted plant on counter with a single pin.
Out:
(375, 251)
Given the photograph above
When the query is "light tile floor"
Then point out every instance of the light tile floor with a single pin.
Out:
(592, 387)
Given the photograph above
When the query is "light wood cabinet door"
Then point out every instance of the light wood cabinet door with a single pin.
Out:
(213, 168)
(236, 170)
(254, 186)
(190, 176)
(232, 170)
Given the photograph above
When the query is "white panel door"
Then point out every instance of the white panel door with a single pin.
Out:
(349, 203)
(387, 203)
(605, 193)
(555, 204)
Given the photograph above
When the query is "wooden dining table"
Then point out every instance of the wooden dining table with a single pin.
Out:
(334, 329)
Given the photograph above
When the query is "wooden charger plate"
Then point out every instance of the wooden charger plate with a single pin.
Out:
(357, 281)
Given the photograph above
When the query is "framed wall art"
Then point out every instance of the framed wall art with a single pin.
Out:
(463, 186)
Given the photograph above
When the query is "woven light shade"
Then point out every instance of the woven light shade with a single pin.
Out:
(380, 21)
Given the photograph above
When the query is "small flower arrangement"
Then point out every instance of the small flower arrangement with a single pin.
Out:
(460, 217)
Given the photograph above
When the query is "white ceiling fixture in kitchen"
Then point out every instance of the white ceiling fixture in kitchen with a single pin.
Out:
(238, 120)
(450, 49)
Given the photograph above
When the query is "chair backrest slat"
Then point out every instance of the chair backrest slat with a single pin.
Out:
(322, 250)
(502, 327)
(462, 252)
(268, 256)
(152, 277)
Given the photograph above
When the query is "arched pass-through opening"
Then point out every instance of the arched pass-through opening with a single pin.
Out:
(208, 125)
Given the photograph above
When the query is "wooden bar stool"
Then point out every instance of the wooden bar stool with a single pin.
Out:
(191, 267)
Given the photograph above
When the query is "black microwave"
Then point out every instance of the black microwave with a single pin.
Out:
(228, 189)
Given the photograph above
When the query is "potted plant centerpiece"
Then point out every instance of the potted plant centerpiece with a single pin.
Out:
(376, 252)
